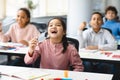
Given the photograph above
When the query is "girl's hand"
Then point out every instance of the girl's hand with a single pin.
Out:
(32, 44)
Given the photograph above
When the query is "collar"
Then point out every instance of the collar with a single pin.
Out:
(92, 31)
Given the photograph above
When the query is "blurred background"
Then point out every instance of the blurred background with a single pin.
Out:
(73, 12)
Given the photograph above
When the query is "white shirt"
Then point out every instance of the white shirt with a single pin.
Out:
(103, 39)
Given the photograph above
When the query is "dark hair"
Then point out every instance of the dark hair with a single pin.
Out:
(27, 12)
(112, 8)
(64, 39)
(98, 14)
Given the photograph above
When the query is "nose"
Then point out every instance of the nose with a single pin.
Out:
(54, 26)
(96, 21)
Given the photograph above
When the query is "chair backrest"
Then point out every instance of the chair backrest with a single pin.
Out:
(74, 42)
(108, 29)
(40, 26)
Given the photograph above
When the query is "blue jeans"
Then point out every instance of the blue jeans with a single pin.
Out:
(98, 67)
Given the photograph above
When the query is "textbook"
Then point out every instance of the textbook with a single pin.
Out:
(29, 74)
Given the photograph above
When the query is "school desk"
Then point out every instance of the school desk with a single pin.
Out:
(12, 49)
(100, 56)
(25, 73)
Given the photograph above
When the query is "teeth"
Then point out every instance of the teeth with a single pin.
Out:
(54, 32)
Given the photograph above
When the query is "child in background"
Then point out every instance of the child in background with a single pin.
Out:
(20, 32)
(96, 38)
(55, 52)
(111, 21)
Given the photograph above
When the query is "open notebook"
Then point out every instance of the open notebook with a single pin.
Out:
(29, 74)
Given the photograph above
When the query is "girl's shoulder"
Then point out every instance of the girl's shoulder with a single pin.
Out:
(14, 26)
(71, 47)
(31, 25)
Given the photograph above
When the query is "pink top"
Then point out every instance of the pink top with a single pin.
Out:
(53, 58)
(15, 33)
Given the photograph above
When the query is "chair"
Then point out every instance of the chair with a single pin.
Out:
(108, 29)
(40, 26)
(74, 42)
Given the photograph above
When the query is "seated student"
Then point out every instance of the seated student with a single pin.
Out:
(55, 51)
(111, 21)
(96, 38)
(20, 32)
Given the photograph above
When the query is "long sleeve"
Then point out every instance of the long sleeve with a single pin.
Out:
(75, 60)
(110, 42)
(52, 56)
(5, 37)
(30, 60)
(81, 39)
(103, 39)
(16, 34)
(114, 26)
(1, 36)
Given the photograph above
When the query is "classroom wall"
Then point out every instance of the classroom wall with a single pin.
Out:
(2, 8)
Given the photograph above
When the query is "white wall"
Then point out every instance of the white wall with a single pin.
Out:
(2, 8)
(79, 11)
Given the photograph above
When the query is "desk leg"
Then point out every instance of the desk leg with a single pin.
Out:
(9, 59)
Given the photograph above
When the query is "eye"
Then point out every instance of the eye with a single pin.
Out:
(23, 17)
(17, 15)
(50, 25)
(58, 25)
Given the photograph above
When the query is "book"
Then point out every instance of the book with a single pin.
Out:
(29, 74)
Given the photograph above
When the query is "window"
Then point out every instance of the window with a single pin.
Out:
(13, 5)
(44, 8)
